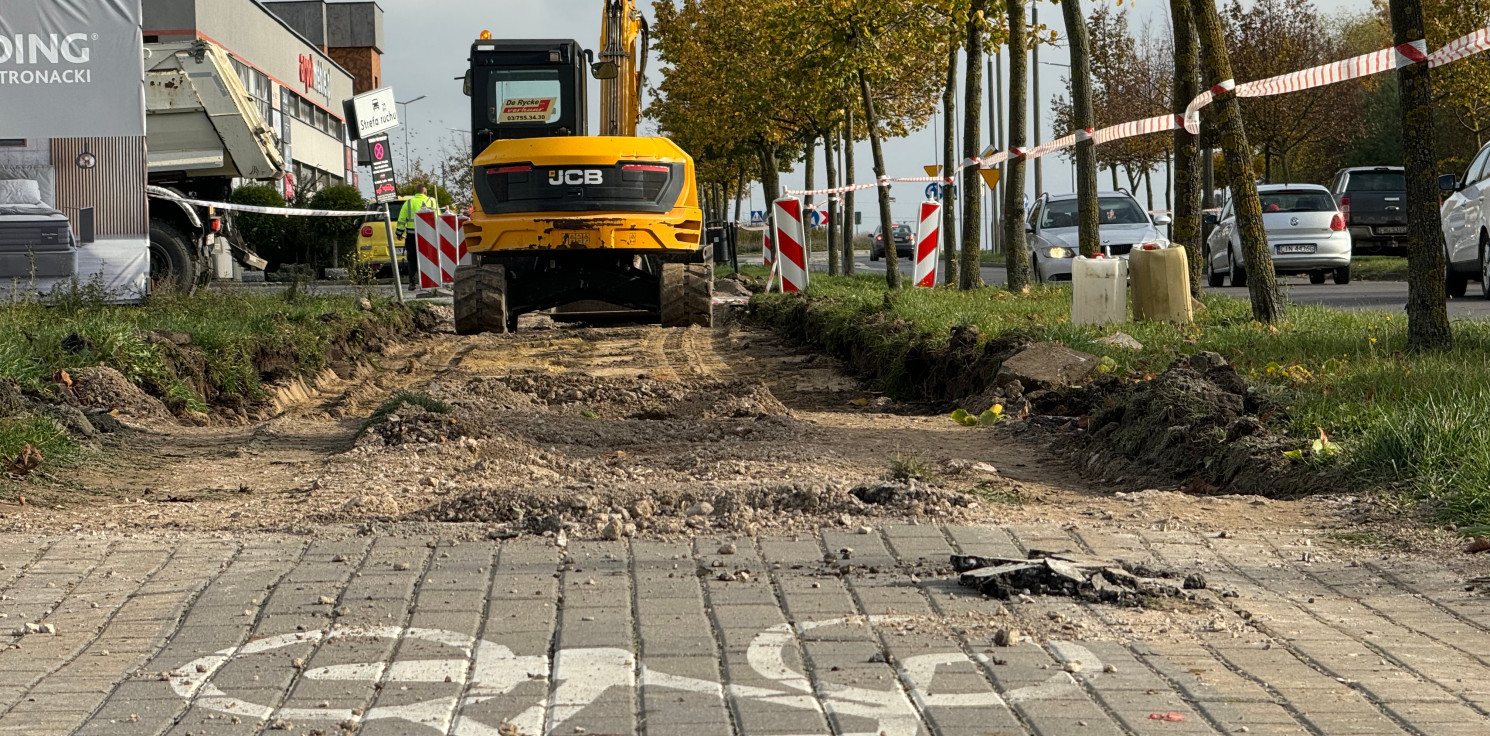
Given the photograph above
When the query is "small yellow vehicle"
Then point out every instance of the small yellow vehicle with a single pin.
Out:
(372, 241)
(561, 216)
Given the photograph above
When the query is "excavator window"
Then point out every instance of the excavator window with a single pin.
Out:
(525, 97)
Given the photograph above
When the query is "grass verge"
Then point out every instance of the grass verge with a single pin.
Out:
(1408, 423)
(1378, 268)
(188, 350)
(402, 399)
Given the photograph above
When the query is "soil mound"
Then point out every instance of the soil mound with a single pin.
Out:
(1196, 423)
(104, 388)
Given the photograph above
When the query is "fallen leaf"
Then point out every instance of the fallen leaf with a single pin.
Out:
(1477, 545)
(62, 378)
(29, 460)
(1174, 717)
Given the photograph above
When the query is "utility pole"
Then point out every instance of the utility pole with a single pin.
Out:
(1035, 98)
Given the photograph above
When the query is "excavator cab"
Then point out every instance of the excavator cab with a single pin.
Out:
(566, 221)
(526, 89)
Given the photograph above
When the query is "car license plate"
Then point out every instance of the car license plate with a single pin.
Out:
(1395, 230)
(1297, 248)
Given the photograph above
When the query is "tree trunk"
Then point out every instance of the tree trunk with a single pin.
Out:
(971, 276)
(1081, 109)
(830, 146)
(1148, 187)
(1116, 185)
(949, 158)
(1427, 312)
(770, 186)
(739, 190)
(809, 183)
(1262, 280)
(1185, 230)
(887, 225)
(849, 228)
(1016, 251)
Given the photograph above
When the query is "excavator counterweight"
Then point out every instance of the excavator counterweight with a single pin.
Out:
(564, 218)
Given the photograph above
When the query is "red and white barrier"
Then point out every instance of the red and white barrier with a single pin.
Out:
(928, 244)
(790, 244)
(462, 257)
(768, 258)
(449, 249)
(427, 243)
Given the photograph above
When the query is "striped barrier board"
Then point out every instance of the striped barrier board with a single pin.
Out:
(790, 244)
(427, 245)
(449, 249)
(928, 244)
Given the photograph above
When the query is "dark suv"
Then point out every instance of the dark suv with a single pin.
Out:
(1374, 203)
(903, 248)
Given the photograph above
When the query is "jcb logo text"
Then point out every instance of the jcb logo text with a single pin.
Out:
(560, 177)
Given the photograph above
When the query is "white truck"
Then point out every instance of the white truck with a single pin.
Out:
(203, 132)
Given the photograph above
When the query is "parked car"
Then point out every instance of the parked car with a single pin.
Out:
(1306, 234)
(1374, 203)
(1466, 226)
(903, 247)
(1052, 235)
(372, 242)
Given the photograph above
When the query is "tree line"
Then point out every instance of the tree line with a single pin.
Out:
(750, 88)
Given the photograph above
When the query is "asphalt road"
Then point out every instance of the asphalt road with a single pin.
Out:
(1388, 296)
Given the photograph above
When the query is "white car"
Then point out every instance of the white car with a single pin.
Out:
(1053, 238)
(1466, 226)
(1306, 235)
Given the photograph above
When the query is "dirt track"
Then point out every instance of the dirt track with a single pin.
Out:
(598, 431)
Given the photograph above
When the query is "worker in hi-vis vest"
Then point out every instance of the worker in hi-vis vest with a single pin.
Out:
(413, 205)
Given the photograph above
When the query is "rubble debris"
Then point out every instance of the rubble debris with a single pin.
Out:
(1121, 340)
(1047, 365)
(1050, 573)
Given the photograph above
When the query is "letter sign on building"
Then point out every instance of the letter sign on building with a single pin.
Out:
(315, 74)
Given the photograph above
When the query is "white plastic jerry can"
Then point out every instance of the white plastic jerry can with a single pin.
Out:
(1099, 290)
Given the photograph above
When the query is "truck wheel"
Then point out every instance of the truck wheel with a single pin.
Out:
(687, 294)
(171, 266)
(481, 300)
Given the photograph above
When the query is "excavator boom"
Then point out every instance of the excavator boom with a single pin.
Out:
(620, 97)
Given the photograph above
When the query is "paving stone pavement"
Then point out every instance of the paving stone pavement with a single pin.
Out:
(415, 635)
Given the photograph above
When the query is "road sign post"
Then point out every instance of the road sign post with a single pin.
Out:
(385, 192)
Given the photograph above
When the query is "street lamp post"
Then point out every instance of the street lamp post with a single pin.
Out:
(404, 120)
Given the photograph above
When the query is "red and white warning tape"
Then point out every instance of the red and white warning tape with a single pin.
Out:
(268, 210)
(1325, 74)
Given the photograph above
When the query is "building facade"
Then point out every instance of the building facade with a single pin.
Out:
(286, 54)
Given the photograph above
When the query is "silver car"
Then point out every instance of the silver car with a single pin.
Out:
(1306, 234)
(1054, 239)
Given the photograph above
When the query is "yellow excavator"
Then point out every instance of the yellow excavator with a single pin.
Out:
(562, 217)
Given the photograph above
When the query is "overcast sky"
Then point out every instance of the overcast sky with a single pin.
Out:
(428, 42)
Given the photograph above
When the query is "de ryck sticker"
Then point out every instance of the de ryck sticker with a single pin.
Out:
(527, 109)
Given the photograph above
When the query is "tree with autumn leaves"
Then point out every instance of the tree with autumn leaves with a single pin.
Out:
(759, 79)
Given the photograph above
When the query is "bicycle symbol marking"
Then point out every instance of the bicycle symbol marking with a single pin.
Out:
(578, 677)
